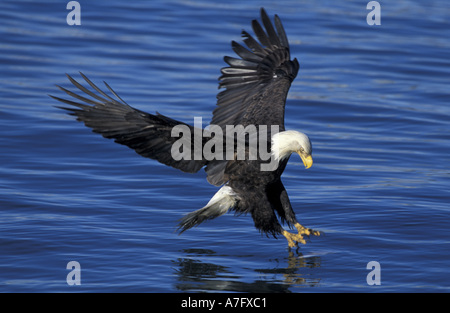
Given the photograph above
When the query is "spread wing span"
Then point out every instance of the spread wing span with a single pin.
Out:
(256, 87)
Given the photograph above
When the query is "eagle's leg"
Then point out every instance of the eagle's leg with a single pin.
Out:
(306, 231)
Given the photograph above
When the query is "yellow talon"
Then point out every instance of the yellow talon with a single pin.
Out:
(293, 239)
(306, 231)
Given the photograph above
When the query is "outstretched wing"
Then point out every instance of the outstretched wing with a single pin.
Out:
(256, 85)
(149, 135)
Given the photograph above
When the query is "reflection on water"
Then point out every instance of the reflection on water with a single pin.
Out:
(203, 269)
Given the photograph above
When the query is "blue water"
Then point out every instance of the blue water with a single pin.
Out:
(375, 100)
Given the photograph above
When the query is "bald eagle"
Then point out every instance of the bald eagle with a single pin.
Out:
(255, 86)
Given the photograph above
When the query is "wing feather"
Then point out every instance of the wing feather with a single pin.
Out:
(256, 85)
(149, 135)
(281, 33)
(271, 34)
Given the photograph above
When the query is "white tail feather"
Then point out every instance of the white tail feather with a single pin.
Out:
(220, 203)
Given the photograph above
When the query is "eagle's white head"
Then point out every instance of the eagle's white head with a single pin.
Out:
(287, 142)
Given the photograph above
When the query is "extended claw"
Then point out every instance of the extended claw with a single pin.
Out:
(293, 239)
(306, 231)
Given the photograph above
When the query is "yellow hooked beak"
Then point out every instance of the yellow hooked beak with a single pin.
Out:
(307, 160)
